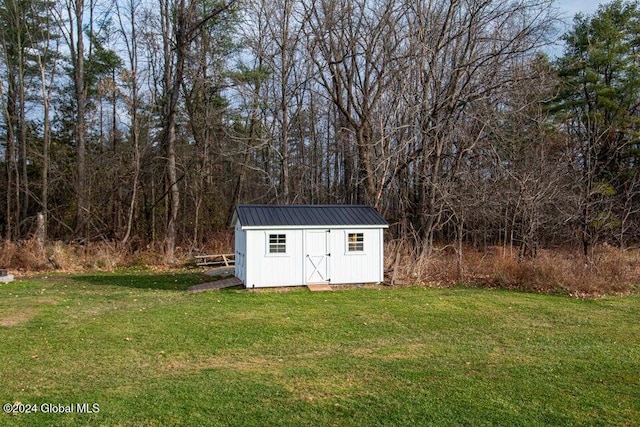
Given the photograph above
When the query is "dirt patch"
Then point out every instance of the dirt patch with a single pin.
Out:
(17, 318)
(319, 287)
(252, 364)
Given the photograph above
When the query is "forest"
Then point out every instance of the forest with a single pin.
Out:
(142, 123)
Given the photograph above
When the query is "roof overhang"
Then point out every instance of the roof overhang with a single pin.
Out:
(298, 217)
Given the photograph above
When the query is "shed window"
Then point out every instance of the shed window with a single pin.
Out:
(356, 242)
(277, 243)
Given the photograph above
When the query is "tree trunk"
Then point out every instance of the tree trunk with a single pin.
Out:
(284, 135)
(9, 163)
(22, 127)
(172, 81)
(132, 50)
(459, 235)
(432, 186)
(366, 180)
(82, 208)
(40, 234)
(44, 173)
(174, 192)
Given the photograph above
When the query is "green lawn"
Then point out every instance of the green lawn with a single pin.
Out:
(149, 353)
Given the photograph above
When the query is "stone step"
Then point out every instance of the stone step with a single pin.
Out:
(6, 278)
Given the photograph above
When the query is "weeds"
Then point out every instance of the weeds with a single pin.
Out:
(562, 271)
(28, 256)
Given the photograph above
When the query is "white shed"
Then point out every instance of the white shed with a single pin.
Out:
(303, 244)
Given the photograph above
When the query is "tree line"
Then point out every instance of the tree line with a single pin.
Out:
(143, 121)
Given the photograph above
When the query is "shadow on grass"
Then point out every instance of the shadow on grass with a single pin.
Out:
(166, 281)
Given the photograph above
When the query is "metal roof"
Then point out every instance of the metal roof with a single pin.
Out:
(308, 215)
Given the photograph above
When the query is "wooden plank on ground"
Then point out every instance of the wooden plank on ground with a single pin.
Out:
(218, 284)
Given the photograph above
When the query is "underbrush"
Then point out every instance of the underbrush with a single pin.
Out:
(29, 256)
(608, 271)
(560, 271)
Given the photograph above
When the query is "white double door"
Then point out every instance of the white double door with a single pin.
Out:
(317, 256)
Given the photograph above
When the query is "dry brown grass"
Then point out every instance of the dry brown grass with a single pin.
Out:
(23, 255)
(27, 256)
(609, 271)
(17, 318)
(218, 242)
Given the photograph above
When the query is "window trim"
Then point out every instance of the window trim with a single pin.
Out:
(348, 243)
(269, 243)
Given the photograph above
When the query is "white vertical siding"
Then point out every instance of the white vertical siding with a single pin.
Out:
(256, 267)
(240, 252)
(265, 269)
(356, 267)
(381, 255)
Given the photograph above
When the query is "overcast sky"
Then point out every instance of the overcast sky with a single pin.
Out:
(568, 9)
(571, 7)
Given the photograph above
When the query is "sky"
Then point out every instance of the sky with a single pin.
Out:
(568, 9)
(571, 7)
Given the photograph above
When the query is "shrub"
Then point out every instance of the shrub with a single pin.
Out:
(564, 271)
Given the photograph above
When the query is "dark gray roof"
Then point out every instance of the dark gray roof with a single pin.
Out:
(308, 215)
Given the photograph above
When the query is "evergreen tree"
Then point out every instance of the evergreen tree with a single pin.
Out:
(599, 99)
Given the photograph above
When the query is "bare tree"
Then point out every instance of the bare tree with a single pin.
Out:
(46, 60)
(11, 168)
(70, 17)
(358, 50)
(463, 51)
(14, 32)
(203, 86)
(180, 22)
(128, 30)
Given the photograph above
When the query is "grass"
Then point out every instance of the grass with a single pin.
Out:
(151, 354)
